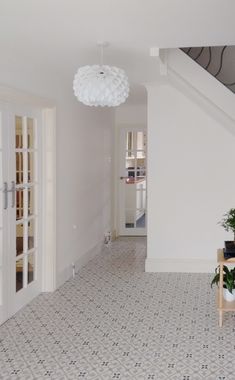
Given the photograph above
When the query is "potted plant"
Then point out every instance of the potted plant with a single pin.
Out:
(228, 222)
(228, 282)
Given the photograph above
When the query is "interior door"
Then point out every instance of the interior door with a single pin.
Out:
(132, 189)
(21, 199)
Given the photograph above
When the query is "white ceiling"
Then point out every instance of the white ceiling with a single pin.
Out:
(54, 37)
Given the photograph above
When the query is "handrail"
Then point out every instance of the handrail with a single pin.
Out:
(211, 59)
(210, 56)
(221, 62)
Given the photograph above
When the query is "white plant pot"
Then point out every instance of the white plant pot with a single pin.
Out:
(229, 296)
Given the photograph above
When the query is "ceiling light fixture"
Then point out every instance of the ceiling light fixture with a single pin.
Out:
(101, 85)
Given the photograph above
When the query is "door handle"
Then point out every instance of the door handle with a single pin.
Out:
(13, 192)
(6, 191)
(124, 177)
(5, 195)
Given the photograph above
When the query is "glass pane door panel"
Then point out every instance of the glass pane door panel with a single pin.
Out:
(133, 191)
(31, 267)
(130, 154)
(19, 274)
(140, 154)
(30, 167)
(140, 140)
(135, 202)
(19, 204)
(31, 201)
(30, 133)
(19, 168)
(19, 239)
(31, 227)
(129, 140)
(141, 219)
(25, 200)
(141, 199)
(130, 161)
(130, 218)
(18, 132)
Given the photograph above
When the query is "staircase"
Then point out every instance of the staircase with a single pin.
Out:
(207, 88)
(219, 61)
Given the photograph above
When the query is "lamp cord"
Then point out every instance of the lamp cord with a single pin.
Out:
(101, 55)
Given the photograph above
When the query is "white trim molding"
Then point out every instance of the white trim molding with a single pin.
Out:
(19, 97)
(49, 199)
(180, 265)
(79, 263)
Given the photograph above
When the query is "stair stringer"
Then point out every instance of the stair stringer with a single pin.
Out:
(194, 81)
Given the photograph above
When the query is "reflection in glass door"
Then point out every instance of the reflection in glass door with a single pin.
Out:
(133, 204)
(26, 183)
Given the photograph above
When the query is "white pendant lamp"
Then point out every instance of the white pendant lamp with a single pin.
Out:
(101, 85)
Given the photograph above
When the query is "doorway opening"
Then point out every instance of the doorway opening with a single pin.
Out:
(131, 165)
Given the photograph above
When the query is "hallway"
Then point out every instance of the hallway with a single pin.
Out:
(113, 321)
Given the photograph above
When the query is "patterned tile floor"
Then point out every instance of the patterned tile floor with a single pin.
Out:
(113, 321)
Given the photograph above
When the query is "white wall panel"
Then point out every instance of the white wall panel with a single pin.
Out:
(190, 184)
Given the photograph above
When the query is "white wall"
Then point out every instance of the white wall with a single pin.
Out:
(131, 114)
(83, 142)
(190, 182)
(83, 182)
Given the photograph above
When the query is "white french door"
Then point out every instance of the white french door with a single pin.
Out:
(20, 219)
(132, 184)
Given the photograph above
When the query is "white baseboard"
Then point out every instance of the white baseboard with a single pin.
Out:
(79, 263)
(180, 265)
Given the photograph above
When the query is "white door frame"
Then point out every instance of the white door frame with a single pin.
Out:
(16, 97)
(116, 208)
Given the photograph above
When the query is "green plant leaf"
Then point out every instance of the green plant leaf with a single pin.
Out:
(228, 278)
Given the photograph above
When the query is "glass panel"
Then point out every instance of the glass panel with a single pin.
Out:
(130, 161)
(19, 204)
(131, 173)
(30, 167)
(140, 202)
(31, 266)
(141, 141)
(130, 204)
(30, 201)
(140, 154)
(130, 167)
(141, 221)
(130, 154)
(130, 218)
(30, 133)
(19, 168)
(31, 234)
(19, 238)
(130, 140)
(19, 274)
(19, 132)
(135, 184)
(141, 171)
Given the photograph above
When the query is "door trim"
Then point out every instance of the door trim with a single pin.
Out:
(49, 199)
(116, 210)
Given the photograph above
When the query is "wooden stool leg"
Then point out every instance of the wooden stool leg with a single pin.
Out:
(220, 318)
(221, 281)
